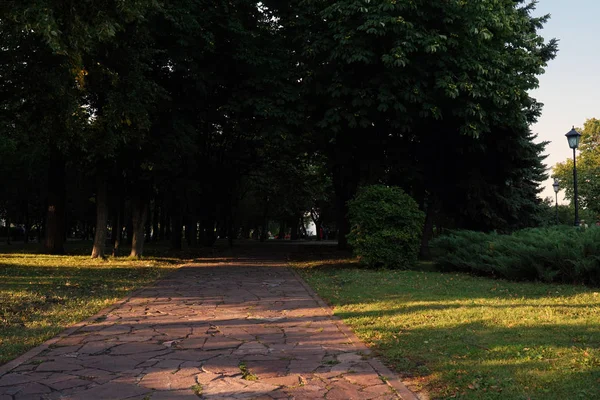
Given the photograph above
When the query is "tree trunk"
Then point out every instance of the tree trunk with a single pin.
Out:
(7, 230)
(168, 227)
(345, 182)
(163, 223)
(208, 226)
(264, 234)
(139, 209)
(114, 227)
(155, 218)
(40, 230)
(55, 215)
(101, 215)
(424, 251)
(148, 227)
(177, 232)
(191, 232)
(27, 226)
(245, 232)
(231, 231)
(295, 225)
(303, 228)
(118, 229)
(282, 229)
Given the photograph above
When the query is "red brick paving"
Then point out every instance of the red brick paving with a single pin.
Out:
(194, 334)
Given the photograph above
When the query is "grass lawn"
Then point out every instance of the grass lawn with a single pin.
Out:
(41, 295)
(463, 337)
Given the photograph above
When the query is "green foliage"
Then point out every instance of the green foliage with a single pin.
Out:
(192, 104)
(386, 227)
(556, 254)
(566, 214)
(588, 168)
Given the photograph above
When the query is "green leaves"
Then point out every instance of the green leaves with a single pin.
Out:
(386, 227)
(557, 254)
(588, 168)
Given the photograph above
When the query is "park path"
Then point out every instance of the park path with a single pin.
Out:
(239, 329)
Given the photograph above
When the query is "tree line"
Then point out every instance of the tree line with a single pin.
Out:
(216, 117)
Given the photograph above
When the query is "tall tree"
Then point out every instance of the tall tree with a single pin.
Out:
(380, 74)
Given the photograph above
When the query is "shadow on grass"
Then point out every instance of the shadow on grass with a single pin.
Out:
(461, 336)
(479, 361)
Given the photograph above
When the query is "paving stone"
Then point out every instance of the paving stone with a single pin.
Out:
(59, 351)
(192, 343)
(72, 340)
(268, 369)
(377, 390)
(220, 342)
(342, 390)
(96, 347)
(111, 363)
(251, 348)
(363, 378)
(136, 348)
(31, 396)
(68, 384)
(35, 388)
(223, 365)
(110, 391)
(15, 379)
(170, 380)
(286, 380)
(96, 375)
(185, 394)
(349, 357)
(305, 392)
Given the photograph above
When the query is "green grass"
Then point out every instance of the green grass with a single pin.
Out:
(41, 295)
(463, 337)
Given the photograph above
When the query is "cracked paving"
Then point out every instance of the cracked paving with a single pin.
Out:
(238, 330)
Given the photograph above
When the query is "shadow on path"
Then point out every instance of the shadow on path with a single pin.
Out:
(227, 328)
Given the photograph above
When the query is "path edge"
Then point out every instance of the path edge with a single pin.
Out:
(390, 377)
(14, 363)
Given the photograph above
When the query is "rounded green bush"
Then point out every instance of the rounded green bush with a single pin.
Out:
(386, 227)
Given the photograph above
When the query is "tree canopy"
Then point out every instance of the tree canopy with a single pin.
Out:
(200, 119)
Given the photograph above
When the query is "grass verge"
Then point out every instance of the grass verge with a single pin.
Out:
(455, 336)
(41, 295)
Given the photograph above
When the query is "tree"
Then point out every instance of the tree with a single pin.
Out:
(381, 77)
(588, 169)
(201, 118)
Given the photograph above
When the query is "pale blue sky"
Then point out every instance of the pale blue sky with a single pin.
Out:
(570, 88)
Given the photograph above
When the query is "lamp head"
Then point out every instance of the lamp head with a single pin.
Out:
(555, 185)
(573, 138)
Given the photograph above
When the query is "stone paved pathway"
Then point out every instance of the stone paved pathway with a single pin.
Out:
(247, 330)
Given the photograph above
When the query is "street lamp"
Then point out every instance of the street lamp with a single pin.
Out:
(573, 138)
(556, 189)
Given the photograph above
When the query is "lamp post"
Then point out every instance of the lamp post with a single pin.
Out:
(573, 139)
(556, 188)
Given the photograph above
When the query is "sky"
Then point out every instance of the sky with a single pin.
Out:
(570, 88)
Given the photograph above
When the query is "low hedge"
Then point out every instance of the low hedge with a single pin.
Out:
(557, 254)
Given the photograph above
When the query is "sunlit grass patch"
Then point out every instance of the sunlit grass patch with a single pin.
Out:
(41, 295)
(458, 336)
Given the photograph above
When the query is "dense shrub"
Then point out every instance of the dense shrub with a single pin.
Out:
(386, 227)
(556, 254)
